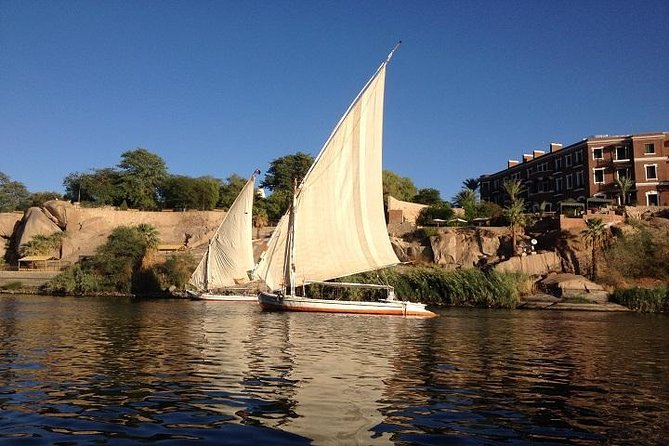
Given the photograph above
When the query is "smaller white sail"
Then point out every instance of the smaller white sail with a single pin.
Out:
(229, 256)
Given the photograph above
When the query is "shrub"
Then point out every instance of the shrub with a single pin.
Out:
(73, 281)
(14, 285)
(643, 299)
(118, 262)
(176, 270)
(640, 254)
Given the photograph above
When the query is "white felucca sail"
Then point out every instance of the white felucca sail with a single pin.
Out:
(338, 223)
(229, 256)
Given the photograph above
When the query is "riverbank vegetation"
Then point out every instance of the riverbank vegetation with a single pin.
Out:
(437, 286)
(648, 300)
(126, 264)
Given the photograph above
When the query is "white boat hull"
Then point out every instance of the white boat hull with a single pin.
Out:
(224, 297)
(274, 302)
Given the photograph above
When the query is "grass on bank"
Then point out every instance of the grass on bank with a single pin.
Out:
(12, 286)
(437, 286)
(648, 300)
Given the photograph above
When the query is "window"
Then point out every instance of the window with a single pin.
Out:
(598, 153)
(622, 153)
(622, 172)
(545, 186)
(578, 157)
(651, 171)
(558, 185)
(579, 179)
(649, 149)
(598, 175)
(652, 198)
(558, 163)
(569, 181)
(567, 160)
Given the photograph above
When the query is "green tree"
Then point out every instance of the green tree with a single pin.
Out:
(428, 196)
(442, 211)
(142, 172)
(207, 193)
(594, 234)
(229, 189)
(280, 179)
(401, 188)
(118, 261)
(283, 171)
(515, 210)
(273, 206)
(625, 184)
(39, 198)
(182, 192)
(178, 192)
(13, 195)
(101, 187)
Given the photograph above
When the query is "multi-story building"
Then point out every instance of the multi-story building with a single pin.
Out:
(588, 169)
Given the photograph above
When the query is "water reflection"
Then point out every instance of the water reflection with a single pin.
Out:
(114, 371)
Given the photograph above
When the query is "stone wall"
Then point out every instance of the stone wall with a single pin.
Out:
(403, 211)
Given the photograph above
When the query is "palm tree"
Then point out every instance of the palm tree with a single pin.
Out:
(472, 183)
(151, 239)
(260, 220)
(625, 184)
(515, 211)
(40, 244)
(594, 233)
(150, 235)
(467, 200)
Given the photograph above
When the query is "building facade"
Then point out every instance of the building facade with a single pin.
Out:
(588, 169)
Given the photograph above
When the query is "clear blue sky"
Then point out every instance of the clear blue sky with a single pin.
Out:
(222, 87)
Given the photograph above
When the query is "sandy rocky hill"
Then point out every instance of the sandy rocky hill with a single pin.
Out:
(84, 229)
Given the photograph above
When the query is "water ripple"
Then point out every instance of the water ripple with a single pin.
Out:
(114, 371)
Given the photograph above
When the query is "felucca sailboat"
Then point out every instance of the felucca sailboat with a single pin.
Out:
(336, 225)
(223, 271)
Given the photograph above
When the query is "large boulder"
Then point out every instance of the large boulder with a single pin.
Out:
(535, 264)
(62, 213)
(35, 222)
(465, 247)
(8, 221)
(573, 285)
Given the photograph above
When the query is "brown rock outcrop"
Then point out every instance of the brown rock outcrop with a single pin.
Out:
(535, 264)
(35, 222)
(62, 213)
(9, 222)
(465, 247)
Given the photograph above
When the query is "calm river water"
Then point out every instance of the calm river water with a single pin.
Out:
(120, 371)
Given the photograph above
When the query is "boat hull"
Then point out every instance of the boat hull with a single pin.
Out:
(224, 297)
(274, 302)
